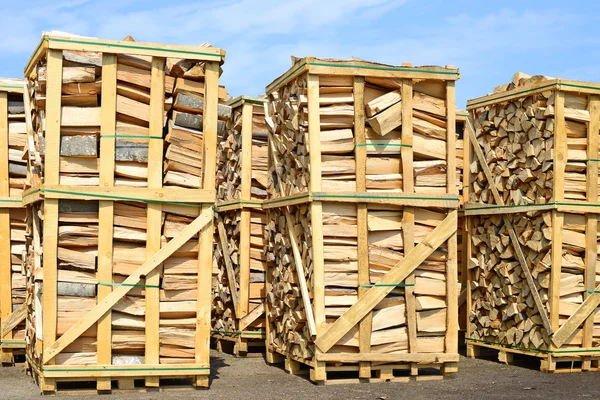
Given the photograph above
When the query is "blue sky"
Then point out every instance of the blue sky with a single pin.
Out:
(487, 40)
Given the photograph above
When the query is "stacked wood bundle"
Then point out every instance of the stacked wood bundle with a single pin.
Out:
(13, 140)
(361, 175)
(239, 274)
(120, 268)
(532, 222)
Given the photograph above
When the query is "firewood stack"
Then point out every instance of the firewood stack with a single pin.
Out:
(241, 187)
(539, 137)
(341, 144)
(12, 219)
(140, 185)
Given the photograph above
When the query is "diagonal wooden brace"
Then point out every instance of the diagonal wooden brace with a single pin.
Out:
(14, 319)
(228, 267)
(511, 231)
(251, 317)
(113, 298)
(394, 276)
(579, 316)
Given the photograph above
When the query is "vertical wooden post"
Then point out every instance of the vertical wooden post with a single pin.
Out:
(466, 253)
(560, 161)
(318, 373)
(105, 212)
(467, 248)
(591, 230)
(408, 214)
(5, 263)
(451, 341)
(154, 214)
(205, 252)
(364, 277)
(245, 213)
(51, 177)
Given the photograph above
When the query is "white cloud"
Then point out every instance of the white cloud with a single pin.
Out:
(260, 35)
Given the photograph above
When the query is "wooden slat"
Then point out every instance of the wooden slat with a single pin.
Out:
(205, 252)
(591, 230)
(154, 215)
(398, 273)
(452, 289)
(246, 186)
(5, 265)
(172, 195)
(106, 208)
(559, 164)
(12, 320)
(408, 213)
(51, 177)
(316, 217)
(360, 154)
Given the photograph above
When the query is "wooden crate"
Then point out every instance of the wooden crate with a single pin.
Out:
(344, 293)
(532, 243)
(119, 253)
(239, 281)
(13, 140)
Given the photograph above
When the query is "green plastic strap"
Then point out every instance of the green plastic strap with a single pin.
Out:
(128, 284)
(386, 285)
(593, 291)
(333, 196)
(555, 203)
(12, 342)
(10, 201)
(131, 137)
(535, 349)
(10, 87)
(105, 196)
(592, 160)
(132, 46)
(238, 332)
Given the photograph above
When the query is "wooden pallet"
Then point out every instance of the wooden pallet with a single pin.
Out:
(240, 345)
(555, 303)
(178, 312)
(323, 297)
(559, 362)
(349, 373)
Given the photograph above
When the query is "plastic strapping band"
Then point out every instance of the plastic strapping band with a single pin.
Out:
(238, 332)
(593, 291)
(10, 201)
(128, 284)
(106, 196)
(593, 160)
(556, 203)
(386, 285)
(12, 342)
(131, 137)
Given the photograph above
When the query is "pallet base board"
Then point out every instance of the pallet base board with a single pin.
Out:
(238, 346)
(548, 362)
(349, 373)
(12, 355)
(82, 387)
